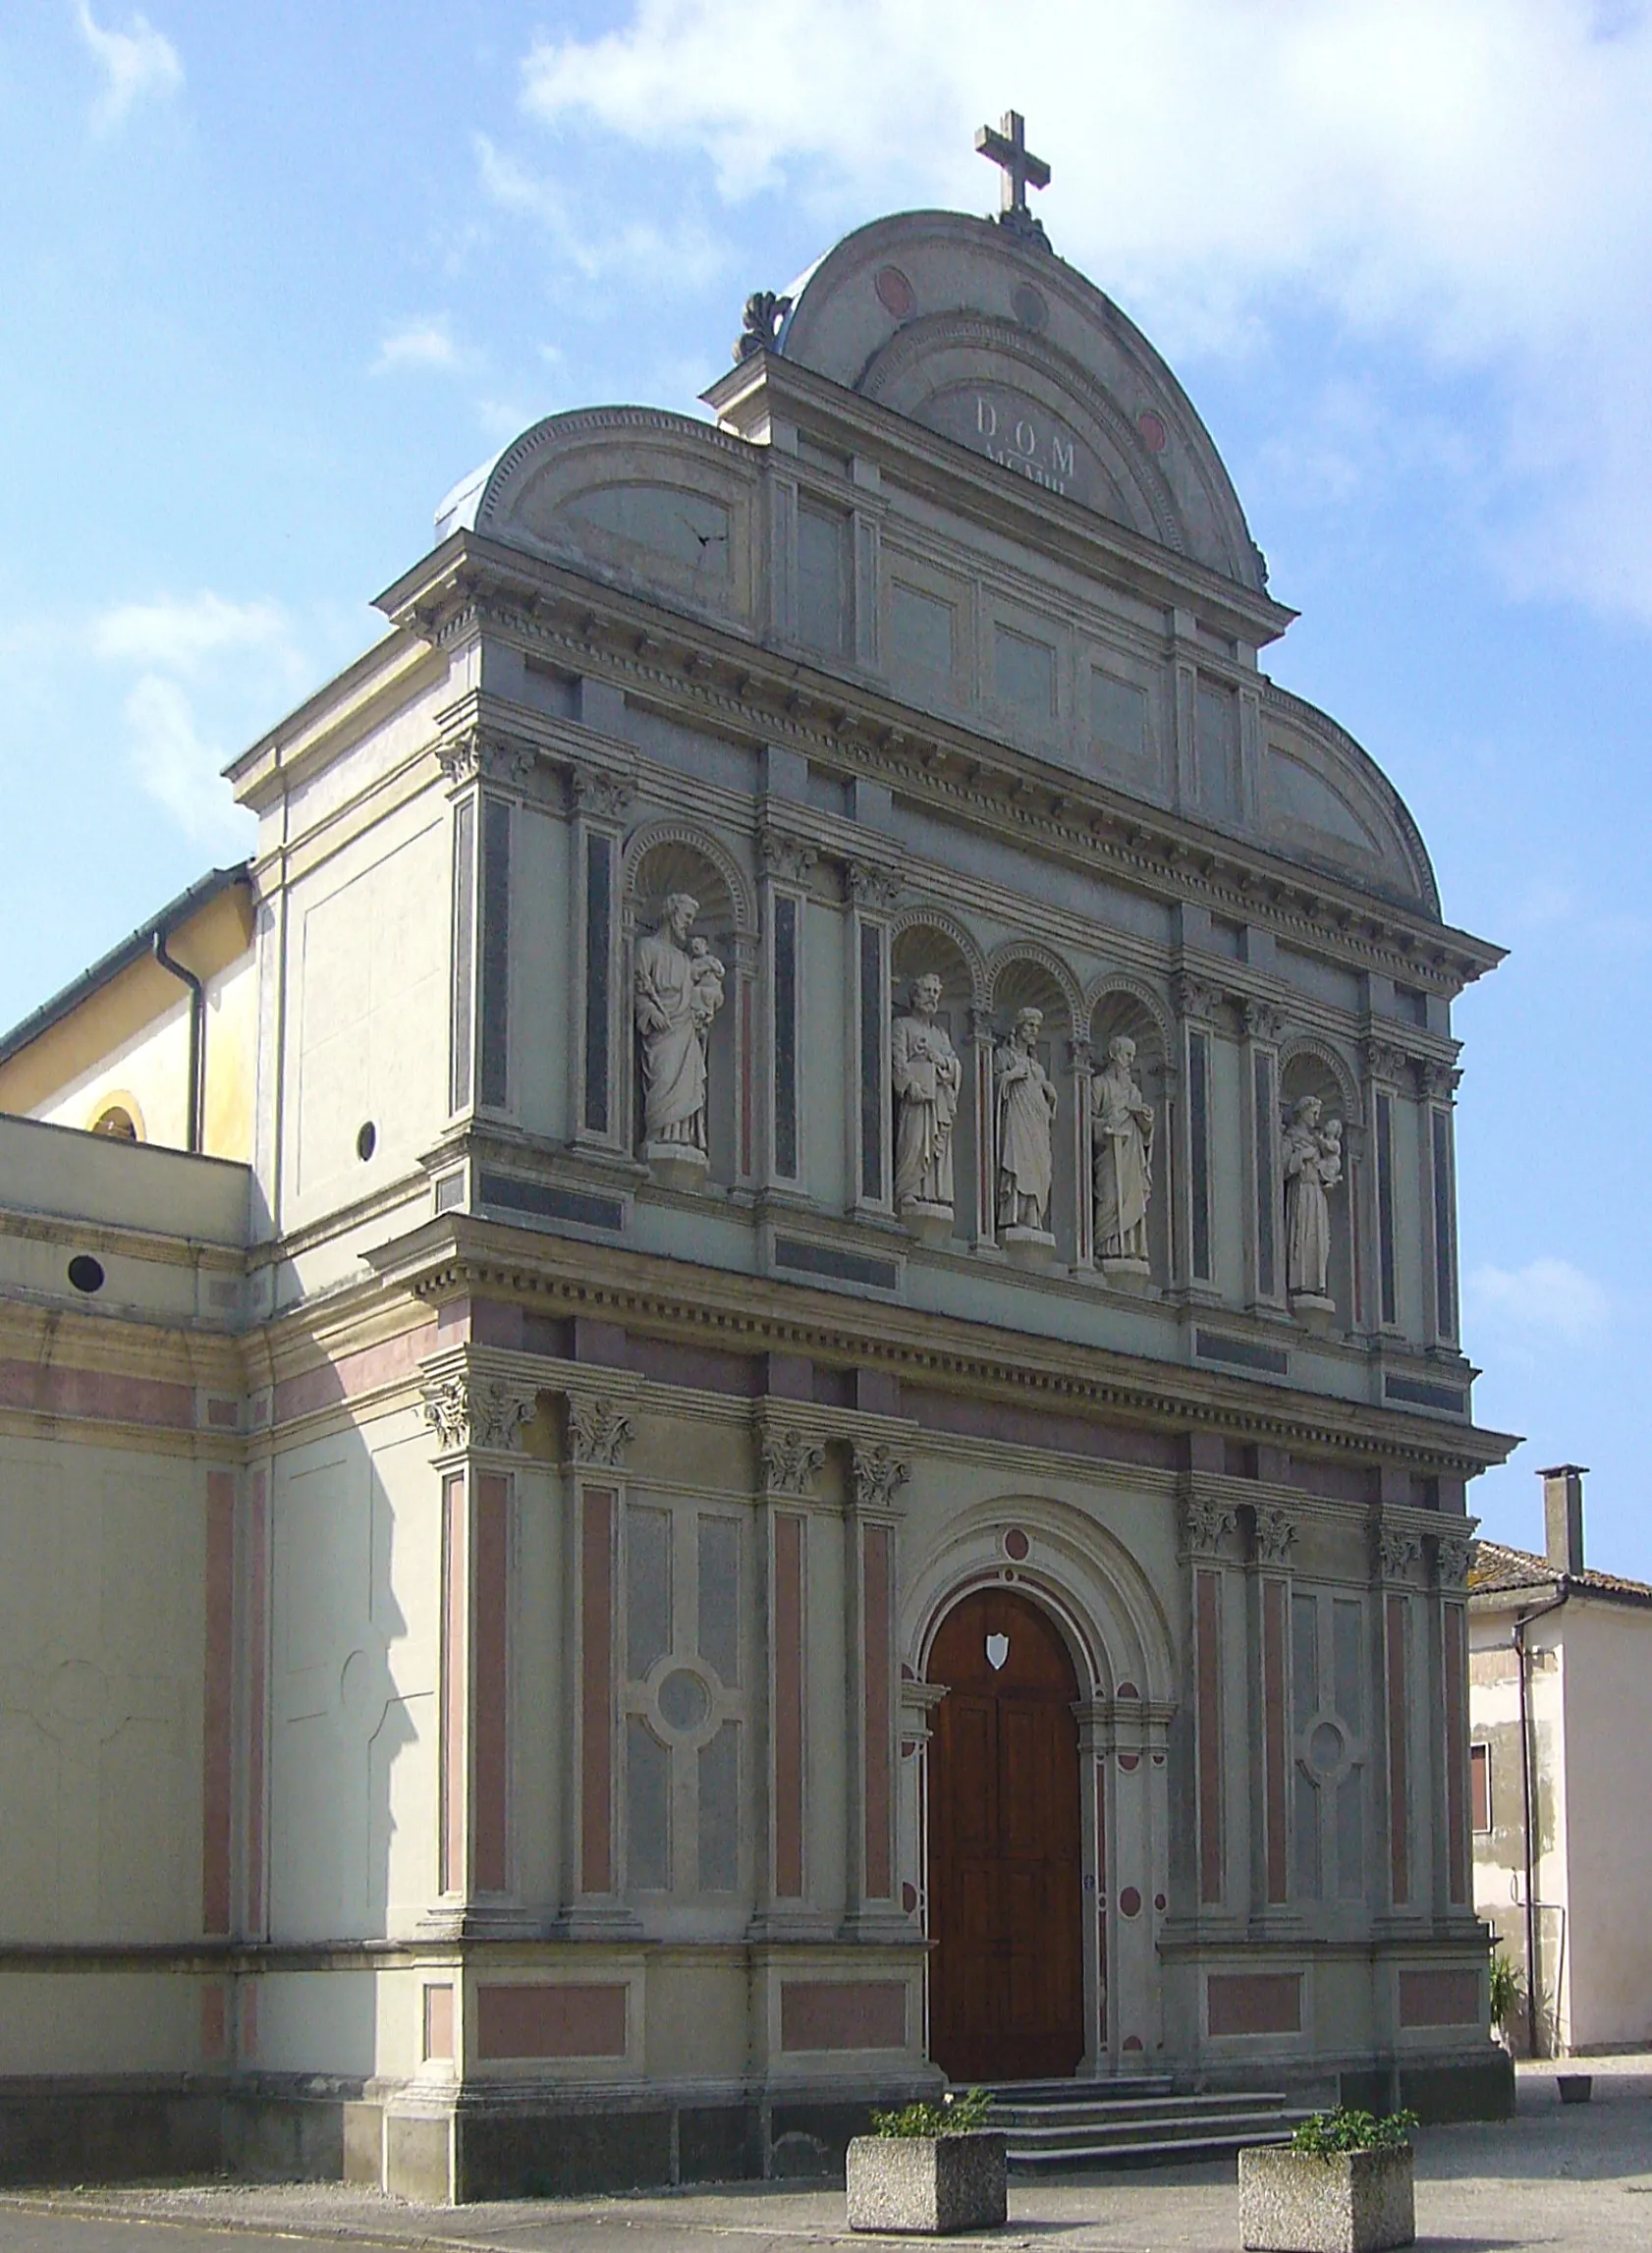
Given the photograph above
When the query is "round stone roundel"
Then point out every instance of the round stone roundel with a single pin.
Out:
(894, 292)
(684, 1700)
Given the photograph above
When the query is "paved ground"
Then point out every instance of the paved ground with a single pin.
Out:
(1575, 2178)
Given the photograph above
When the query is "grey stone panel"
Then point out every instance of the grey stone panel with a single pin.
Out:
(718, 2143)
(560, 2155)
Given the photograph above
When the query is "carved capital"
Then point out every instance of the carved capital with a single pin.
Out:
(1079, 1056)
(791, 858)
(1206, 1525)
(597, 796)
(1393, 1551)
(872, 886)
(1452, 1555)
(1195, 998)
(1262, 1020)
(598, 1433)
(1436, 1082)
(877, 1472)
(480, 751)
(1383, 1059)
(790, 1462)
(980, 1025)
(466, 1411)
(1275, 1530)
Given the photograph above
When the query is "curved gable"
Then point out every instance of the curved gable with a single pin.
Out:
(1011, 352)
(647, 500)
(1326, 802)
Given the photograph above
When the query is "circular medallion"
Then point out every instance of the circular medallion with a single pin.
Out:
(1154, 436)
(684, 1701)
(894, 292)
(1130, 1903)
(1158, 1901)
(1016, 1544)
(1029, 307)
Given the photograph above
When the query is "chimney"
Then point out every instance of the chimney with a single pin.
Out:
(1563, 1517)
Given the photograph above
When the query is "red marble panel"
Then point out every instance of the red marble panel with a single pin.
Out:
(1273, 1737)
(1439, 1999)
(877, 1598)
(1453, 1635)
(551, 2021)
(1398, 1810)
(596, 1693)
(490, 1597)
(98, 1395)
(438, 2021)
(1207, 1673)
(843, 2014)
(218, 1704)
(787, 1627)
(1254, 2003)
(455, 1649)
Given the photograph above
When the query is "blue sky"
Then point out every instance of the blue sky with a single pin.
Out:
(275, 277)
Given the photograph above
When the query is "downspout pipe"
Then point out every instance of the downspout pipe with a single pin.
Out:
(1562, 1589)
(197, 1027)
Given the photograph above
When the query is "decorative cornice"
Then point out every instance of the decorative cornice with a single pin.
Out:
(1206, 1525)
(877, 1472)
(465, 1409)
(598, 1432)
(790, 1462)
(1275, 1531)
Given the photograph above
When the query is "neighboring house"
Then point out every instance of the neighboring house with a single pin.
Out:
(1561, 1761)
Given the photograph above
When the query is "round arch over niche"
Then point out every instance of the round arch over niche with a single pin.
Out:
(659, 858)
(1311, 1067)
(908, 928)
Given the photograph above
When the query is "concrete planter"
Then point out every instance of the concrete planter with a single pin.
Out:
(1352, 2202)
(916, 2186)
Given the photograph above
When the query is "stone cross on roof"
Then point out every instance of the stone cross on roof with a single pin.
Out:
(1008, 149)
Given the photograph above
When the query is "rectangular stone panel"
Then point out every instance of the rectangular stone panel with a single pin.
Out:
(1439, 1998)
(561, 2021)
(1254, 2003)
(843, 2014)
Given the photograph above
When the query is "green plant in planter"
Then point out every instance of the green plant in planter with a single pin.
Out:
(953, 2115)
(1505, 1985)
(1347, 2129)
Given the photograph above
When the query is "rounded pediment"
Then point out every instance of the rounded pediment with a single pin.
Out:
(1010, 353)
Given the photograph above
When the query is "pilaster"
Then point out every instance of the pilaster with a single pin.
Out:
(873, 1514)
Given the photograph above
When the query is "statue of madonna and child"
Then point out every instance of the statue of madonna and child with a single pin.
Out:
(1311, 1162)
(677, 990)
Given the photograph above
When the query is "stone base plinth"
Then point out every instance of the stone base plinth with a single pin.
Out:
(1131, 1275)
(1028, 1247)
(1349, 2202)
(916, 2186)
(930, 1224)
(1313, 1309)
(678, 1165)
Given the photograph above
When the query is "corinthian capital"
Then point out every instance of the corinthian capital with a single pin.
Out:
(467, 1411)
(877, 1472)
(598, 1432)
(790, 1462)
(1206, 1525)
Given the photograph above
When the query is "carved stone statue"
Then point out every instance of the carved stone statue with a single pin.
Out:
(677, 990)
(1121, 1132)
(1312, 1164)
(1026, 1110)
(927, 1076)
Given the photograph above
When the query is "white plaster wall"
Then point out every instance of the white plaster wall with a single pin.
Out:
(102, 1657)
(356, 1556)
(1608, 1811)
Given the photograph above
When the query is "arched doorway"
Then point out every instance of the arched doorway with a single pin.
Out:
(1007, 1976)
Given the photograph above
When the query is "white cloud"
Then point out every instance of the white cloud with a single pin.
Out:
(179, 767)
(422, 344)
(1469, 177)
(1549, 1296)
(682, 256)
(177, 634)
(134, 64)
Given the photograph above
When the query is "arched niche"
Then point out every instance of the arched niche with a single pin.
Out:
(662, 861)
(1309, 1068)
(1022, 977)
(927, 942)
(1122, 1008)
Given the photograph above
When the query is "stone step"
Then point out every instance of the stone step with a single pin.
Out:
(1077, 2092)
(1154, 2151)
(1146, 2110)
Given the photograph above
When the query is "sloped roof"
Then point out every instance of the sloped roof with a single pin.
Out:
(1494, 1570)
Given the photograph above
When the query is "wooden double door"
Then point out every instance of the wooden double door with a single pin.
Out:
(1006, 1881)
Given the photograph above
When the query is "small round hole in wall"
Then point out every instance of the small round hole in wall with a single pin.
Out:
(85, 1273)
(366, 1141)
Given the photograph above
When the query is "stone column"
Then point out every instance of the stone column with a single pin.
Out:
(1192, 1231)
(1384, 1066)
(1084, 1184)
(1265, 1288)
(872, 892)
(985, 1191)
(871, 1522)
(1396, 1553)
(790, 1455)
(1436, 1087)
(1095, 1744)
(599, 1006)
(1140, 1874)
(476, 1410)
(918, 1701)
(599, 1431)
(1207, 1525)
(1453, 1872)
(786, 864)
(1273, 1531)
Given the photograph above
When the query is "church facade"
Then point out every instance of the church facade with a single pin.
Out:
(819, 1439)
